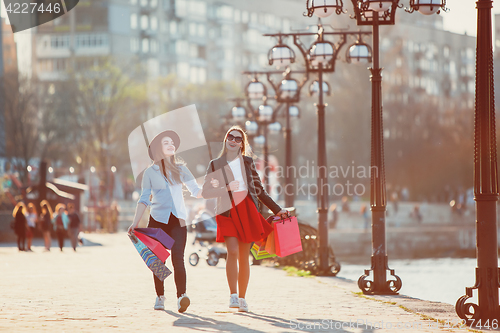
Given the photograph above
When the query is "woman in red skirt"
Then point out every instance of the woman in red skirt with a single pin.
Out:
(232, 179)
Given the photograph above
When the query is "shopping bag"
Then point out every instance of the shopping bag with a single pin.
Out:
(287, 237)
(158, 234)
(154, 264)
(259, 252)
(155, 246)
(270, 244)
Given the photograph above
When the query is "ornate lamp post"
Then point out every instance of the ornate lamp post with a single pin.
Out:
(487, 311)
(319, 58)
(287, 92)
(375, 13)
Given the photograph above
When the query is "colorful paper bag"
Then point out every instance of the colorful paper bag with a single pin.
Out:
(259, 252)
(158, 249)
(270, 244)
(154, 264)
(287, 237)
(158, 234)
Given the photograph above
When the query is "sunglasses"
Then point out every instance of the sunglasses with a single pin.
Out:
(237, 139)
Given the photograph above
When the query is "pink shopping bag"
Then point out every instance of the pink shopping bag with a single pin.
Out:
(156, 247)
(287, 237)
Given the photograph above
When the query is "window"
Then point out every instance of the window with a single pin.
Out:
(144, 3)
(133, 21)
(193, 51)
(154, 23)
(173, 28)
(181, 47)
(59, 42)
(153, 3)
(145, 45)
(181, 8)
(144, 22)
(201, 30)
(133, 2)
(154, 46)
(446, 51)
(91, 40)
(183, 70)
(134, 44)
(192, 29)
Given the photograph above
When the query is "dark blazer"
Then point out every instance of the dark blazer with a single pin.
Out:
(254, 185)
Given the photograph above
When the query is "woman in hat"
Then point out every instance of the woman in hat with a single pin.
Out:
(233, 180)
(163, 180)
(20, 224)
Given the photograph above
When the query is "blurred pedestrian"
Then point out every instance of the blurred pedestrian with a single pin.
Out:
(61, 222)
(46, 223)
(163, 180)
(20, 224)
(416, 215)
(32, 220)
(335, 216)
(366, 216)
(234, 174)
(345, 205)
(74, 225)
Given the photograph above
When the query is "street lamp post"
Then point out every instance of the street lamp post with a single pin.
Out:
(319, 58)
(487, 311)
(376, 13)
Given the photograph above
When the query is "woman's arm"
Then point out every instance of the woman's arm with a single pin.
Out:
(139, 211)
(208, 190)
(190, 182)
(263, 195)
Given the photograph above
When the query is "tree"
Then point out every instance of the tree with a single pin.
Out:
(21, 120)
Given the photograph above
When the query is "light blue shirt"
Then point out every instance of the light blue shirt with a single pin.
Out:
(65, 220)
(167, 198)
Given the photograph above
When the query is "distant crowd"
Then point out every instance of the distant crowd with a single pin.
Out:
(65, 221)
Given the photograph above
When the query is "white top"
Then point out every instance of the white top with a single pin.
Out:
(31, 219)
(235, 166)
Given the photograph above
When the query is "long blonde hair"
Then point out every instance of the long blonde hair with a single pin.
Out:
(18, 206)
(245, 147)
(46, 205)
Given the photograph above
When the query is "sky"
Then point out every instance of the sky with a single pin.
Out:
(462, 16)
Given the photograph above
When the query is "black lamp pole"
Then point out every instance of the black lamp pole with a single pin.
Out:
(486, 313)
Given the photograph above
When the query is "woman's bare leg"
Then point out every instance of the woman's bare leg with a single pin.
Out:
(232, 263)
(244, 265)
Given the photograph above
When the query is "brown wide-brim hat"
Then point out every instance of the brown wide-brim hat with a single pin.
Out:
(156, 140)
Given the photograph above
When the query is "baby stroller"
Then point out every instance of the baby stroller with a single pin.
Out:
(205, 229)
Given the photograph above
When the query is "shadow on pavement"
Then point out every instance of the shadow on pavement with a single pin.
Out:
(196, 322)
(309, 325)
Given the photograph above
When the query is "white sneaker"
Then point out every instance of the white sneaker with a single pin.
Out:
(233, 301)
(183, 303)
(243, 305)
(160, 303)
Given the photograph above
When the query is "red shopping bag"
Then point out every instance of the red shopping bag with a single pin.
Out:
(287, 237)
(155, 246)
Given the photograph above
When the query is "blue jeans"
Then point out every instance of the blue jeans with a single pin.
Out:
(179, 234)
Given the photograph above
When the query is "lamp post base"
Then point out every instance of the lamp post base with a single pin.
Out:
(379, 285)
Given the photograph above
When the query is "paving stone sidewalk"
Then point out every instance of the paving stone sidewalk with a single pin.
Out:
(106, 287)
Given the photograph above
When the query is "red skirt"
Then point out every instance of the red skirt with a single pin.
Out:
(248, 225)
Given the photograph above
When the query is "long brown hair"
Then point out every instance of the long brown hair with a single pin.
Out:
(170, 163)
(245, 147)
(46, 206)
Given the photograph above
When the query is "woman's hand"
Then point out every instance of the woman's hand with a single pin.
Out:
(215, 183)
(283, 214)
(234, 185)
(131, 229)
